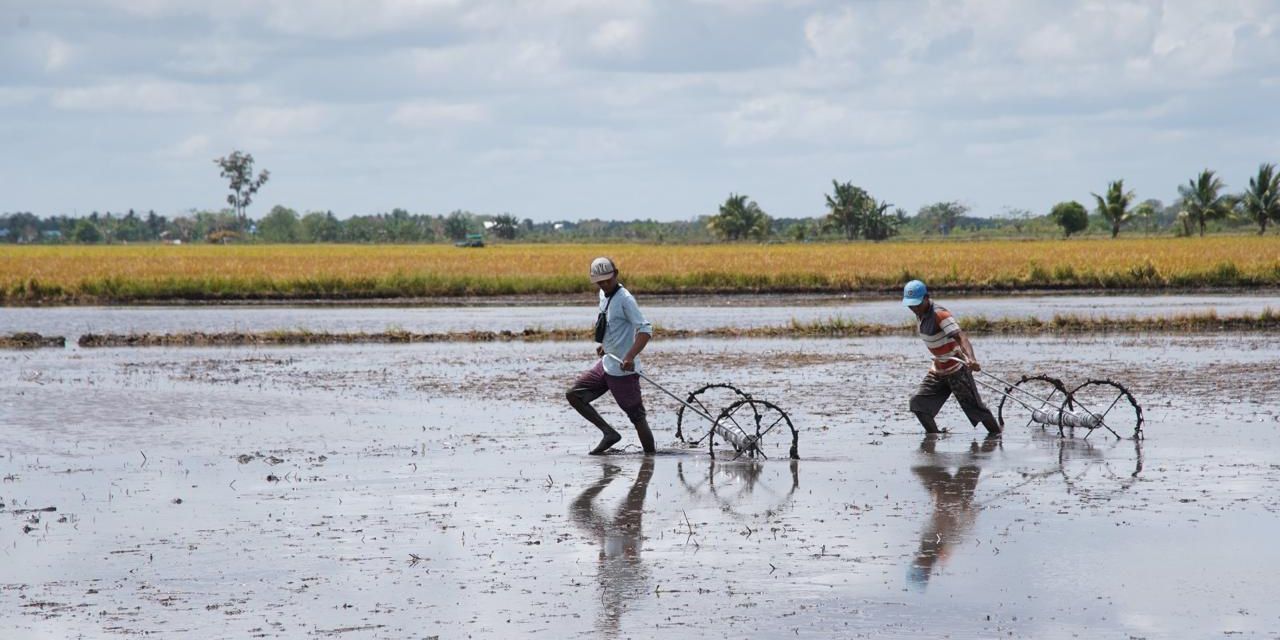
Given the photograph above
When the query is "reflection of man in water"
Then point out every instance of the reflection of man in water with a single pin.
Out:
(621, 575)
(953, 508)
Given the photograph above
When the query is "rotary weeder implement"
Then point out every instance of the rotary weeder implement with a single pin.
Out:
(1046, 401)
(754, 428)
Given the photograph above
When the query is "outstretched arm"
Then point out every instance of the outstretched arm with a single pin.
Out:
(967, 348)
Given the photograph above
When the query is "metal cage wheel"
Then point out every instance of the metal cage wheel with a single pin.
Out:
(1029, 394)
(711, 399)
(1116, 409)
(755, 429)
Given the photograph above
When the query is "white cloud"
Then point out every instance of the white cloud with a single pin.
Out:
(35, 53)
(314, 18)
(279, 122)
(786, 119)
(354, 18)
(1198, 43)
(192, 147)
(15, 96)
(835, 36)
(145, 8)
(509, 157)
(426, 114)
(525, 16)
(616, 37)
(443, 61)
(1050, 43)
(57, 54)
(565, 86)
(217, 56)
(146, 96)
(1098, 32)
(537, 57)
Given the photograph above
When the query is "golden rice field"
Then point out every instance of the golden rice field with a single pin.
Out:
(83, 274)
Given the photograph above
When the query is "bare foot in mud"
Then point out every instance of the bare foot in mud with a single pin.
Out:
(607, 441)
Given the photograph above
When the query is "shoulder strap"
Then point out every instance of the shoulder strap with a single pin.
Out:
(609, 299)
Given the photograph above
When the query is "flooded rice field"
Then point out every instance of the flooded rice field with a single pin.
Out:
(691, 313)
(442, 490)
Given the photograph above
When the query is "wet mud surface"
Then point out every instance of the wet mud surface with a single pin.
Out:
(395, 491)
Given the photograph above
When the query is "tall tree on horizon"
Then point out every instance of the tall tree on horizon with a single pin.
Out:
(740, 218)
(237, 168)
(1203, 199)
(1071, 216)
(506, 226)
(458, 224)
(845, 207)
(1114, 208)
(853, 211)
(1261, 201)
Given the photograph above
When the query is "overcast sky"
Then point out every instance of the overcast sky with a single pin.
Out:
(569, 109)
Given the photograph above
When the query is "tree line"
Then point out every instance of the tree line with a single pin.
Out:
(280, 225)
(851, 213)
(1203, 199)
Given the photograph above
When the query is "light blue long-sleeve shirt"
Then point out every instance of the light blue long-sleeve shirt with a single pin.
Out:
(625, 321)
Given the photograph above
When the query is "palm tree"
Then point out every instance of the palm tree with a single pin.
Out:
(1262, 201)
(739, 218)
(1203, 200)
(878, 224)
(846, 208)
(1115, 207)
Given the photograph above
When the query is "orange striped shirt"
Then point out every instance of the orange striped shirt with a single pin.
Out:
(941, 334)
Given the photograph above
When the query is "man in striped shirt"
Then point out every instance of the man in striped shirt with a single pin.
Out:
(953, 364)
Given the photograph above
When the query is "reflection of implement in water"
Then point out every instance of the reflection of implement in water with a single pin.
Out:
(762, 435)
(735, 486)
(1045, 400)
(1089, 471)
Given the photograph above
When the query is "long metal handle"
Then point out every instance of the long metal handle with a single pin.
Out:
(741, 442)
(1044, 401)
(664, 390)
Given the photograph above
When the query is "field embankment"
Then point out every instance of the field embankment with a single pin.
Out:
(133, 274)
(1203, 323)
(27, 340)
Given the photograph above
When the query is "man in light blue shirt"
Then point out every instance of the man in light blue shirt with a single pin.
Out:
(622, 333)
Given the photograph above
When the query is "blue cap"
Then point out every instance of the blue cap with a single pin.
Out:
(914, 293)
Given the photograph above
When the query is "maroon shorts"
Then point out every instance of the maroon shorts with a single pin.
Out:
(625, 389)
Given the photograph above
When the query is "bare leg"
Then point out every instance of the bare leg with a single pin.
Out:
(643, 432)
(580, 399)
(928, 400)
(927, 421)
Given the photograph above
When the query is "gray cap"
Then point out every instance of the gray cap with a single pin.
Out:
(602, 269)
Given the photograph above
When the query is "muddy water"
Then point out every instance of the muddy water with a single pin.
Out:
(392, 492)
(696, 313)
